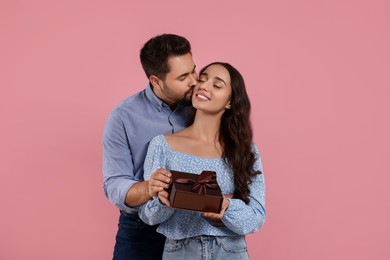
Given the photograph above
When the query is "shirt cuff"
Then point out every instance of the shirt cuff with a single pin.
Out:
(124, 188)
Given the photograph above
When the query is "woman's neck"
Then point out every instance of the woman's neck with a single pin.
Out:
(200, 139)
(205, 127)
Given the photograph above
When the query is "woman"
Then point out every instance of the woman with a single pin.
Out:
(220, 140)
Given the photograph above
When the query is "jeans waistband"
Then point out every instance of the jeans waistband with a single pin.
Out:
(132, 213)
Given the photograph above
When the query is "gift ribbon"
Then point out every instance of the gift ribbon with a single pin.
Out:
(205, 180)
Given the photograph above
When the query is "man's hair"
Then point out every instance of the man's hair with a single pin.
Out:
(156, 52)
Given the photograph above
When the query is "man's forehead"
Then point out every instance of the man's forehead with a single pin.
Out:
(179, 65)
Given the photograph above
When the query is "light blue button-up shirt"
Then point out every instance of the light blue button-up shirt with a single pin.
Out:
(128, 131)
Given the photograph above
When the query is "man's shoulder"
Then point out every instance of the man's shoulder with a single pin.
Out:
(135, 98)
(132, 102)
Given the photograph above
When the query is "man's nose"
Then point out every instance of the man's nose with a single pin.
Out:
(193, 79)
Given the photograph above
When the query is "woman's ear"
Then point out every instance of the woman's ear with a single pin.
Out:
(228, 106)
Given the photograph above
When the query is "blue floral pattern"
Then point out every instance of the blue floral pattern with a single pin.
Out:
(239, 219)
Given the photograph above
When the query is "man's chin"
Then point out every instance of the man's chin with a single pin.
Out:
(187, 100)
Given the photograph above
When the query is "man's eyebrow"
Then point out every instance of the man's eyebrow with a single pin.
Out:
(185, 74)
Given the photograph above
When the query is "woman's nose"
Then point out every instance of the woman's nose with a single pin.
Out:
(204, 85)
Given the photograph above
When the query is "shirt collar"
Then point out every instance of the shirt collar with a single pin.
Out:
(158, 103)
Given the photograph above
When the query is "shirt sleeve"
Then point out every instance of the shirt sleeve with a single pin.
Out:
(244, 218)
(154, 212)
(118, 168)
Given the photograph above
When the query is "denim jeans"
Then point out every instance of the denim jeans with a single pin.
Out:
(206, 248)
(137, 240)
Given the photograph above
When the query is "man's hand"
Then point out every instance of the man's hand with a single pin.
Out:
(159, 181)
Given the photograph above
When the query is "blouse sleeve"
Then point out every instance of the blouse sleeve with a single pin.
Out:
(244, 218)
(154, 212)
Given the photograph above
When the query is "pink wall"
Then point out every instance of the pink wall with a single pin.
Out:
(318, 76)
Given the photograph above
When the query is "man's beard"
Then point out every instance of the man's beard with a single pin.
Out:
(187, 99)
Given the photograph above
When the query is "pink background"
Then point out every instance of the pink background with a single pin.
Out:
(318, 74)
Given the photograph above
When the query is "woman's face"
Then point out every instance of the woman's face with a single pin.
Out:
(213, 91)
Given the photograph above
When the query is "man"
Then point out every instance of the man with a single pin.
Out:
(162, 108)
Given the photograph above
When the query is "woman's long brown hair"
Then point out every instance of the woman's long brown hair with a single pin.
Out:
(235, 134)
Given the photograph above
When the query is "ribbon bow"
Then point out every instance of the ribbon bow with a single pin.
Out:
(205, 180)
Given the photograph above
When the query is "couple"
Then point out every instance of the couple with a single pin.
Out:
(156, 131)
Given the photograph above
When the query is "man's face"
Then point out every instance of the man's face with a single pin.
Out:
(179, 83)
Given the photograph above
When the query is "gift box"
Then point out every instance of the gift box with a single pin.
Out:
(195, 192)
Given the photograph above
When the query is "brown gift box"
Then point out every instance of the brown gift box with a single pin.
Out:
(195, 192)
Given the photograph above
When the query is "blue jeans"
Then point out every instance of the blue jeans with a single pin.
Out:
(137, 240)
(206, 248)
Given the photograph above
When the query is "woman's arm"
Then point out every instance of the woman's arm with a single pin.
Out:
(239, 217)
(242, 218)
(153, 211)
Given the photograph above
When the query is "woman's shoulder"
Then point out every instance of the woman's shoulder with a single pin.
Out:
(158, 140)
(258, 164)
(168, 141)
(175, 139)
(254, 148)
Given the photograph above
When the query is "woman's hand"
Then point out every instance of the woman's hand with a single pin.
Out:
(215, 218)
(163, 198)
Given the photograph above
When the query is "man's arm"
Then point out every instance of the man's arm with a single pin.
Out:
(138, 194)
(143, 191)
(118, 168)
(120, 185)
